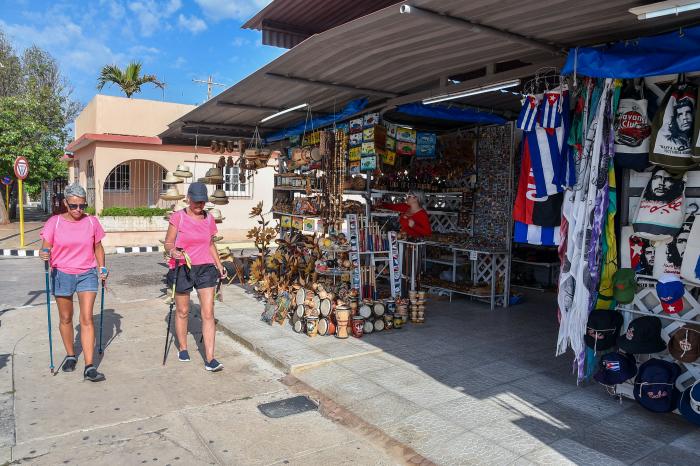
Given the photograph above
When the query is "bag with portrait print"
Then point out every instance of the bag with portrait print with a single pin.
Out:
(672, 140)
(661, 208)
(632, 129)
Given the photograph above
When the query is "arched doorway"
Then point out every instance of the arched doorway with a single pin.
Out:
(134, 183)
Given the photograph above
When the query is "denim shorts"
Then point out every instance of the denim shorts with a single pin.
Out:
(66, 284)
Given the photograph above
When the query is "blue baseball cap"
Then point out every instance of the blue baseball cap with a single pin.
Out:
(689, 404)
(616, 368)
(655, 385)
(670, 291)
(197, 192)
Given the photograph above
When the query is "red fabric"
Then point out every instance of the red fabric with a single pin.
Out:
(524, 204)
(421, 221)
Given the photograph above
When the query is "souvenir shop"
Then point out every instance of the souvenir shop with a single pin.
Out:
(613, 181)
(375, 215)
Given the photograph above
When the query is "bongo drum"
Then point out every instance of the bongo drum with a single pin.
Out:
(300, 310)
(358, 324)
(312, 326)
(365, 311)
(342, 316)
(299, 326)
(300, 296)
(378, 309)
(368, 327)
(323, 327)
(316, 302)
(331, 327)
(379, 325)
(325, 307)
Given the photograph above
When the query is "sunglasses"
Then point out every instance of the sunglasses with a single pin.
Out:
(77, 206)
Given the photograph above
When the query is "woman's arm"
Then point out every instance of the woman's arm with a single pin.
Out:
(44, 255)
(100, 257)
(170, 242)
(421, 224)
(400, 207)
(217, 260)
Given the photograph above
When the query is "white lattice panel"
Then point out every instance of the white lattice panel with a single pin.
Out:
(445, 222)
(443, 201)
(482, 271)
(647, 301)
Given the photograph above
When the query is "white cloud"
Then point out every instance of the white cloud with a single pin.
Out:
(240, 42)
(115, 8)
(152, 15)
(217, 10)
(191, 23)
(179, 63)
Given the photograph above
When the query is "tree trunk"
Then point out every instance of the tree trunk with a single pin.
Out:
(4, 215)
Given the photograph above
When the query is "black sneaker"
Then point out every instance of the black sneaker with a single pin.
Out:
(183, 356)
(69, 364)
(213, 366)
(92, 375)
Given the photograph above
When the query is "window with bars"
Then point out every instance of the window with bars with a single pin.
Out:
(76, 171)
(118, 179)
(234, 186)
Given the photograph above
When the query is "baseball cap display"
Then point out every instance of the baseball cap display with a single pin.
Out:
(689, 403)
(684, 344)
(643, 336)
(670, 291)
(625, 285)
(655, 385)
(616, 368)
(602, 329)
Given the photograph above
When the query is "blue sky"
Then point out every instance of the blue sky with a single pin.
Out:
(177, 40)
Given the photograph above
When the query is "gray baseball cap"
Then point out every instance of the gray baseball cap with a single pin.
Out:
(197, 192)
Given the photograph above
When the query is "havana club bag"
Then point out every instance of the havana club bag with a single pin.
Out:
(632, 132)
(672, 129)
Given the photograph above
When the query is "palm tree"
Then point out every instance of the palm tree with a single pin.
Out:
(129, 79)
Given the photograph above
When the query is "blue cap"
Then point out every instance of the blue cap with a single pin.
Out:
(616, 368)
(197, 192)
(689, 404)
(655, 385)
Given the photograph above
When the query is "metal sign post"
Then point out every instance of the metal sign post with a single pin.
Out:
(21, 172)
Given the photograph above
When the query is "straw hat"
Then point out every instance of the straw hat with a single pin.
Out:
(183, 171)
(172, 194)
(218, 197)
(170, 178)
(213, 176)
(216, 213)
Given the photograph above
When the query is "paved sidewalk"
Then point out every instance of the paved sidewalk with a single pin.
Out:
(471, 386)
(149, 414)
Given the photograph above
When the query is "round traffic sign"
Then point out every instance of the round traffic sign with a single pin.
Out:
(21, 168)
(6, 180)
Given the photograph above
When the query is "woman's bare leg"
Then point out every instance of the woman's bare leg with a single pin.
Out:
(65, 314)
(87, 327)
(206, 303)
(182, 310)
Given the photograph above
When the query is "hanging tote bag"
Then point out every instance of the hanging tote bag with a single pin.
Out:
(661, 208)
(690, 267)
(672, 129)
(632, 130)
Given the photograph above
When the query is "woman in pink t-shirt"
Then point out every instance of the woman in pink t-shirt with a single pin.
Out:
(72, 245)
(191, 232)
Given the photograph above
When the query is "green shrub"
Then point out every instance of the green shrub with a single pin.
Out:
(133, 212)
(90, 210)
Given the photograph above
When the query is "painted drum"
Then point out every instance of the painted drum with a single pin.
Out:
(365, 311)
(358, 324)
(331, 327)
(342, 316)
(316, 302)
(325, 307)
(398, 321)
(379, 325)
(300, 296)
(390, 305)
(323, 327)
(368, 327)
(388, 321)
(379, 309)
(312, 326)
(298, 326)
(300, 310)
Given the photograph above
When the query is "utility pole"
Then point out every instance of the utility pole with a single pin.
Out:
(210, 85)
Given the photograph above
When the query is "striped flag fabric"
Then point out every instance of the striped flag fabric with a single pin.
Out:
(533, 234)
(528, 114)
(551, 110)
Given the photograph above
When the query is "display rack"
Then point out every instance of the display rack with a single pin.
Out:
(646, 302)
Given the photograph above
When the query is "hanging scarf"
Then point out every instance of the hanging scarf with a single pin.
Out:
(578, 285)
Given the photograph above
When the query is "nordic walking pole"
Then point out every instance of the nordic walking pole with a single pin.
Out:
(48, 308)
(102, 313)
(170, 315)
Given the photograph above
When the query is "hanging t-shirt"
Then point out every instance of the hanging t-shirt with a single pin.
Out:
(194, 236)
(73, 242)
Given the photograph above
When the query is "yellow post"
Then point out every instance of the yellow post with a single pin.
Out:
(7, 197)
(21, 215)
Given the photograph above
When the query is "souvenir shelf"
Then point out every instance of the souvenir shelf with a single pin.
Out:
(646, 302)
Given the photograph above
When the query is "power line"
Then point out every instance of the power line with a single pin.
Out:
(210, 85)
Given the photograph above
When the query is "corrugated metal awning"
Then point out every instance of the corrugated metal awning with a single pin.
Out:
(395, 58)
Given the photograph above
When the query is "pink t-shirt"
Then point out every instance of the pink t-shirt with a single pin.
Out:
(194, 236)
(73, 243)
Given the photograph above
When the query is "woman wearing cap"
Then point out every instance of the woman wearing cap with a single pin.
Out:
(190, 237)
(72, 245)
(414, 219)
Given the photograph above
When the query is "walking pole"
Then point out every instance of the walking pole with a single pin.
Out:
(102, 313)
(48, 308)
(170, 315)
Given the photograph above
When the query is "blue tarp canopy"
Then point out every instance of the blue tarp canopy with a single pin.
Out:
(352, 108)
(450, 113)
(671, 53)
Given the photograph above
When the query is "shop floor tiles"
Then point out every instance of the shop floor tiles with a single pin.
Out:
(471, 386)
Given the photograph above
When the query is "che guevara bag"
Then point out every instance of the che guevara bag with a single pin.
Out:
(632, 130)
(662, 207)
(672, 129)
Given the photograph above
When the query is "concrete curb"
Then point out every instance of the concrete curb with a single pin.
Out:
(118, 250)
(19, 252)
